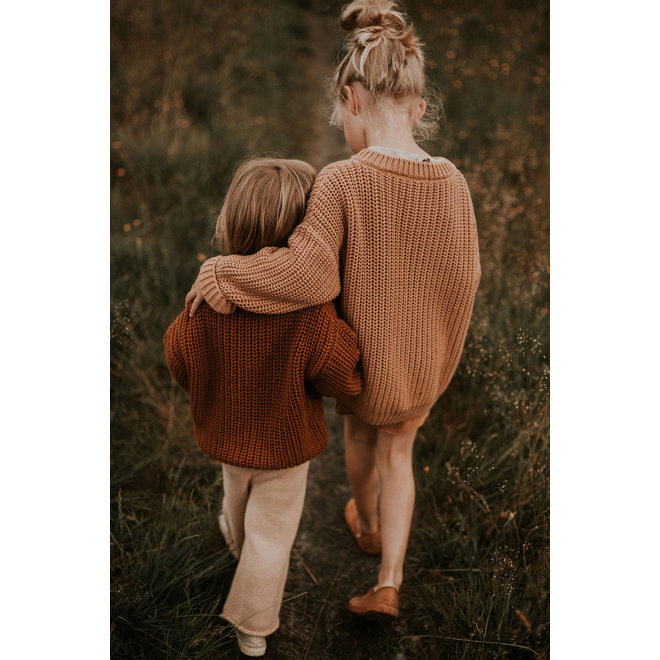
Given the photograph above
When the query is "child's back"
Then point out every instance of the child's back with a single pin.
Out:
(410, 269)
(250, 376)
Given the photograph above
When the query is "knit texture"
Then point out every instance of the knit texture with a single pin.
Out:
(256, 381)
(402, 237)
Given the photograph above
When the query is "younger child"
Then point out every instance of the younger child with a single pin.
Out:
(256, 383)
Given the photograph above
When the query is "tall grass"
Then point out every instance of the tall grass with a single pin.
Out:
(480, 549)
(196, 87)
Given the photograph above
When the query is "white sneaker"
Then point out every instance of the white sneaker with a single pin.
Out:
(250, 644)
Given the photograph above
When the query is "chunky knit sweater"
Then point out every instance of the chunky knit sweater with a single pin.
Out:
(402, 237)
(255, 381)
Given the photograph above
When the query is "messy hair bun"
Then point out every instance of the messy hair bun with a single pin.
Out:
(370, 13)
(382, 53)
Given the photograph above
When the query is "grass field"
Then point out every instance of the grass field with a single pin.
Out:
(195, 87)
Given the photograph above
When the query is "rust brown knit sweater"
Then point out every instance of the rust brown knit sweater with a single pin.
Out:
(255, 381)
(403, 236)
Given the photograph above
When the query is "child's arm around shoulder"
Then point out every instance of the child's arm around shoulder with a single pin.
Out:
(335, 364)
(279, 280)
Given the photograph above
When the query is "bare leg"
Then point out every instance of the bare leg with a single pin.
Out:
(393, 456)
(361, 469)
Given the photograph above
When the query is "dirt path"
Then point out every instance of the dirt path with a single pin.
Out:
(327, 568)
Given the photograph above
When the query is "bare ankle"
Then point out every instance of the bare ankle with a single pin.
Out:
(368, 526)
(389, 580)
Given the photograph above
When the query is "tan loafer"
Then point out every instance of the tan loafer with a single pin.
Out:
(381, 606)
(370, 544)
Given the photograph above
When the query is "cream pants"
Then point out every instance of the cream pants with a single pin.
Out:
(262, 509)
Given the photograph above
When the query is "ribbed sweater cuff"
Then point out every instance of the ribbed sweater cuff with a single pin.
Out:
(210, 289)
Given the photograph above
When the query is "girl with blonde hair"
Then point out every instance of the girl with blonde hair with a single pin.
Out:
(392, 232)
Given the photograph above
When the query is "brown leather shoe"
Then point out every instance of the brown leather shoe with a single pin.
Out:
(369, 543)
(381, 606)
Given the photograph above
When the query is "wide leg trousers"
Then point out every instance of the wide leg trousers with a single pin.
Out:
(262, 509)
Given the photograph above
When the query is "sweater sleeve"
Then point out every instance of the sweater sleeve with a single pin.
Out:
(474, 238)
(279, 280)
(336, 370)
(173, 342)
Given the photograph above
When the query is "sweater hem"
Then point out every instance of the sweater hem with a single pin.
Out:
(230, 459)
(384, 419)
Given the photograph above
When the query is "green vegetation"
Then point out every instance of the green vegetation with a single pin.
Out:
(196, 87)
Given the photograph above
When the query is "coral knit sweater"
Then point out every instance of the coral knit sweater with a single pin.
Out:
(401, 236)
(255, 381)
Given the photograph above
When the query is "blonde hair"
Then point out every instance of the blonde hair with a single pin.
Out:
(385, 55)
(264, 203)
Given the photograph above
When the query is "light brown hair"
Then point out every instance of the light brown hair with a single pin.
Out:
(383, 53)
(264, 204)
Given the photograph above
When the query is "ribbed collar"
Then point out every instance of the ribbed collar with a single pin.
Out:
(403, 167)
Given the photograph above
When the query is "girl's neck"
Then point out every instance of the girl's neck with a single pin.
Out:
(393, 137)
